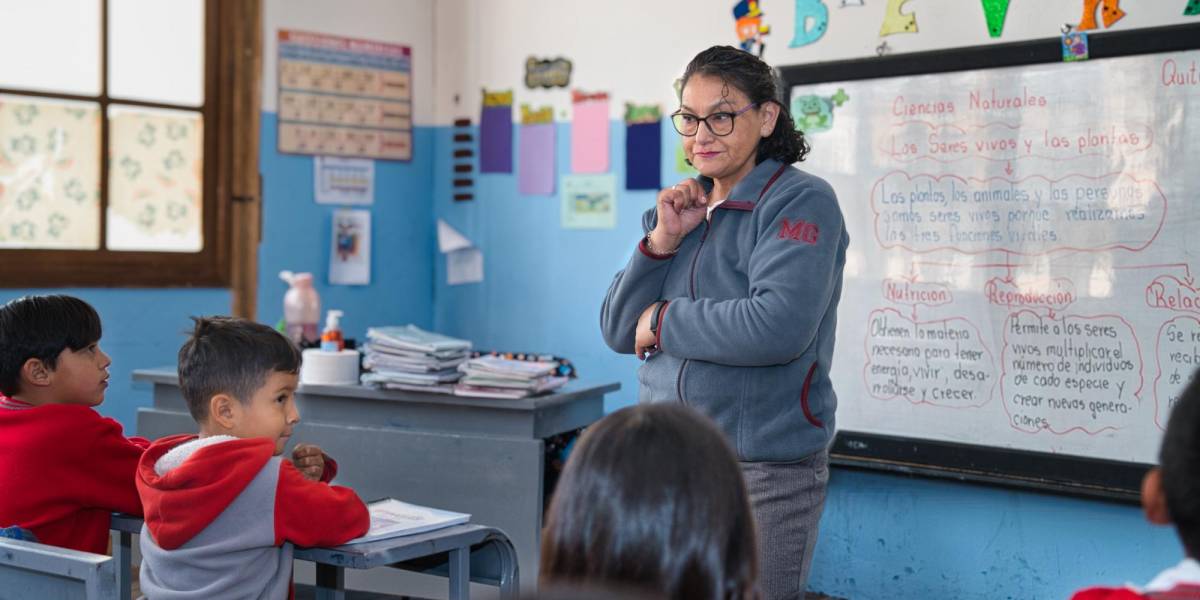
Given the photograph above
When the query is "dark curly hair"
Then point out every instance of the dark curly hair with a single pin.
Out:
(758, 81)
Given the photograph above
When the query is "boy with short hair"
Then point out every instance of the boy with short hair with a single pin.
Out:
(63, 468)
(1171, 495)
(223, 509)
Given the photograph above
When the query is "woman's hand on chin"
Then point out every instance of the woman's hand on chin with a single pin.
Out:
(681, 208)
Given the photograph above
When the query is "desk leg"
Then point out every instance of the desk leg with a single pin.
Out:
(460, 573)
(331, 582)
(123, 556)
(510, 579)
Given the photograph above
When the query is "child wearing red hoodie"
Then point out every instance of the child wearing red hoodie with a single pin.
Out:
(223, 509)
(1171, 496)
(64, 469)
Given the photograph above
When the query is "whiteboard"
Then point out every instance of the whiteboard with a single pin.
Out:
(1023, 239)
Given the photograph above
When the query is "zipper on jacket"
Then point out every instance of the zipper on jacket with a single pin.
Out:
(696, 259)
(692, 294)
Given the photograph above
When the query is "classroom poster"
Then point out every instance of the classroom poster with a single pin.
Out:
(537, 165)
(464, 266)
(495, 132)
(589, 202)
(589, 133)
(344, 96)
(643, 147)
(350, 248)
(682, 166)
(343, 180)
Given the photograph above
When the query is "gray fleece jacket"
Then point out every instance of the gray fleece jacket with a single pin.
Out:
(748, 332)
(222, 515)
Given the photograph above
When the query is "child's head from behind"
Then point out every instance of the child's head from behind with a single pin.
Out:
(652, 496)
(1171, 492)
(239, 378)
(50, 352)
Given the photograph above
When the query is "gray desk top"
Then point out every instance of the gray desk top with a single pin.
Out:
(378, 553)
(389, 551)
(569, 393)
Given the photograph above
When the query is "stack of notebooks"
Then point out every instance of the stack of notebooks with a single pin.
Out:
(410, 358)
(495, 377)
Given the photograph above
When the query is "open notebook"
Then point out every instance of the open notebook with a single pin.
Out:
(393, 518)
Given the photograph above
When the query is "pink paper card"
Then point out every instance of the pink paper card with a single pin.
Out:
(589, 133)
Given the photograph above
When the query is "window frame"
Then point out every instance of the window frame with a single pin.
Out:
(210, 267)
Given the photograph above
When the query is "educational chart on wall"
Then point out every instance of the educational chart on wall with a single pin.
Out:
(344, 97)
(1023, 243)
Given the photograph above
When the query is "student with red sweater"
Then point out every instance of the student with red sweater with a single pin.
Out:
(1171, 495)
(63, 468)
(223, 509)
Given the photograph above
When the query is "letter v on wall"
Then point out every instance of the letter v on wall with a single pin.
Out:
(995, 11)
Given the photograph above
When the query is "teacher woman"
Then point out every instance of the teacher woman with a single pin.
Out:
(731, 298)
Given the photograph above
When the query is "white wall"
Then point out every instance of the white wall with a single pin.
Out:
(634, 49)
(408, 22)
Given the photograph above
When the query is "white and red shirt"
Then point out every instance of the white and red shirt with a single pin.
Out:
(1181, 582)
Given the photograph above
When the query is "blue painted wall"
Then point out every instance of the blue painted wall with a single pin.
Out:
(543, 285)
(296, 234)
(883, 536)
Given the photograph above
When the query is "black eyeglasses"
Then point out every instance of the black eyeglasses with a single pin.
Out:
(719, 123)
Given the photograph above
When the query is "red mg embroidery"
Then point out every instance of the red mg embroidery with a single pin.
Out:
(801, 231)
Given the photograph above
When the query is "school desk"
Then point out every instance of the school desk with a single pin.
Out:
(461, 553)
(478, 456)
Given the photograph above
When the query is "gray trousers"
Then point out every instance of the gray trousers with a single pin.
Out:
(787, 500)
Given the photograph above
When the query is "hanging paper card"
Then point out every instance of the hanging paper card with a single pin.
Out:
(536, 152)
(643, 147)
(350, 249)
(812, 19)
(495, 132)
(1075, 46)
(589, 202)
(589, 133)
(895, 21)
(681, 163)
(464, 262)
(995, 11)
(343, 180)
